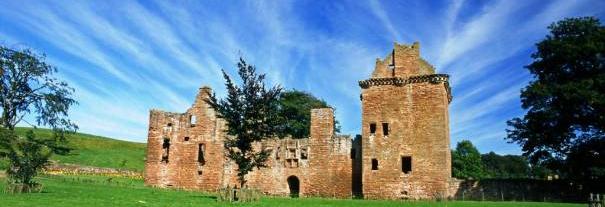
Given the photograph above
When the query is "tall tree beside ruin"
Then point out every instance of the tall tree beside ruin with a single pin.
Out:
(295, 110)
(29, 90)
(251, 111)
(564, 127)
(466, 161)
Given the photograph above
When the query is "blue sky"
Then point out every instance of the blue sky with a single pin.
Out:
(126, 57)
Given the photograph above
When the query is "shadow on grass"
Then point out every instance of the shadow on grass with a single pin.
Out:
(204, 196)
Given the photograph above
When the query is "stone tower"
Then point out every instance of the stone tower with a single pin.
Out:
(405, 128)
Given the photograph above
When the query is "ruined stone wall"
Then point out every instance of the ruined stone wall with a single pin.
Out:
(321, 163)
(414, 108)
(403, 95)
(187, 133)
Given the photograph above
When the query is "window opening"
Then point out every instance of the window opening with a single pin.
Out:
(374, 164)
(406, 164)
(200, 154)
(372, 128)
(165, 149)
(304, 153)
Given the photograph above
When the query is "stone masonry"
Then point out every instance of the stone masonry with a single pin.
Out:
(405, 130)
(403, 151)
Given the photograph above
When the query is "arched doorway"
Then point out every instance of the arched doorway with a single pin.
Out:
(294, 185)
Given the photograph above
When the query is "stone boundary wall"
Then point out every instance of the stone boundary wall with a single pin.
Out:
(524, 190)
(89, 170)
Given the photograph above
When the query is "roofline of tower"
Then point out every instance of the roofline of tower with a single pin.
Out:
(400, 81)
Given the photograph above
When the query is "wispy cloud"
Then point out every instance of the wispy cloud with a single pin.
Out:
(124, 58)
(382, 15)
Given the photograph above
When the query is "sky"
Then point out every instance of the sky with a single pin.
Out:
(126, 57)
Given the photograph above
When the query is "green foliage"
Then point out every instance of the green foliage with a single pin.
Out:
(564, 128)
(3, 164)
(252, 115)
(26, 155)
(295, 110)
(505, 166)
(466, 161)
(28, 89)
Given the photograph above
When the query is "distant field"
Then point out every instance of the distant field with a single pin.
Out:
(63, 191)
(97, 151)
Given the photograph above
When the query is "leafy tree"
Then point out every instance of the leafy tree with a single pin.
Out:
(564, 127)
(507, 166)
(28, 89)
(466, 161)
(295, 110)
(252, 114)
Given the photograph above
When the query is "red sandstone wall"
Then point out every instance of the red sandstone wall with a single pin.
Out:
(183, 169)
(325, 172)
(404, 58)
(417, 114)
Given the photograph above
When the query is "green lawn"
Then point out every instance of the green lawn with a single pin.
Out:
(90, 150)
(65, 191)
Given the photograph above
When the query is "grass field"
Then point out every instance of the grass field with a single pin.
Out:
(90, 150)
(66, 191)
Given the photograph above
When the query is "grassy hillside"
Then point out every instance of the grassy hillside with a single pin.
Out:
(91, 191)
(98, 151)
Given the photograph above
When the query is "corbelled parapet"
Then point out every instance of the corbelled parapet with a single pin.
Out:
(399, 81)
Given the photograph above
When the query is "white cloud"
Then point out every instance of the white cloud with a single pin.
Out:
(126, 57)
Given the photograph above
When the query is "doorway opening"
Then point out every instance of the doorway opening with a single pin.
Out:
(294, 185)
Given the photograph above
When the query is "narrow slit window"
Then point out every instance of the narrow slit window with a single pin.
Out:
(372, 128)
(374, 164)
(385, 129)
(277, 153)
(165, 149)
(406, 164)
(200, 154)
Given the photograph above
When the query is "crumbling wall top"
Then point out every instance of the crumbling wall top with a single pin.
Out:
(403, 61)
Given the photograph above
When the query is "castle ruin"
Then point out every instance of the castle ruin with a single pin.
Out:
(403, 151)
